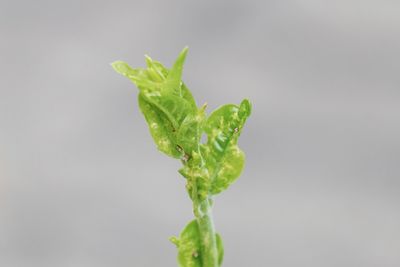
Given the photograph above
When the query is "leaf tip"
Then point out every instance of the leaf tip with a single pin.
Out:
(115, 63)
(245, 108)
(174, 77)
(182, 56)
(120, 66)
(148, 59)
(174, 240)
(185, 50)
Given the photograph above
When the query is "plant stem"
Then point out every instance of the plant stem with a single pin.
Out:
(209, 252)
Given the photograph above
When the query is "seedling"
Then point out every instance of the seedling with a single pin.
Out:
(176, 125)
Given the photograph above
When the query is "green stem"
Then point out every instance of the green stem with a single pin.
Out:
(209, 252)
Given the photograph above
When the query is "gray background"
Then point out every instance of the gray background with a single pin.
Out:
(82, 183)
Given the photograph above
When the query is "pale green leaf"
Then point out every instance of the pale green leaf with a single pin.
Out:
(189, 248)
(161, 129)
(174, 79)
(224, 159)
(220, 248)
(166, 103)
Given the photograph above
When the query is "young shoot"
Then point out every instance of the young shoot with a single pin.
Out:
(209, 165)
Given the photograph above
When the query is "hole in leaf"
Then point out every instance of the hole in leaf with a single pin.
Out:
(203, 139)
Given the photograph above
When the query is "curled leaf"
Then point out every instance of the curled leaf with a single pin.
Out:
(161, 128)
(167, 104)
(224, 158)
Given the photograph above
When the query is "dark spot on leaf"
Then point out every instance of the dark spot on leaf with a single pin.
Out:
(179, 148)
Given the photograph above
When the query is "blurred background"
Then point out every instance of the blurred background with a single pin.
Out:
(82, 184)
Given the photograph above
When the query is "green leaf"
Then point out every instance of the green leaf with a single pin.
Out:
(224, 159)
(175, 108)
(220, 248)
(124, 69)
(139, 76)
(189, 134)
(189, 246)
(173, 81)
(167, 104)
(179, 123)
(227, 170)
(190, 131)
(161, 128)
